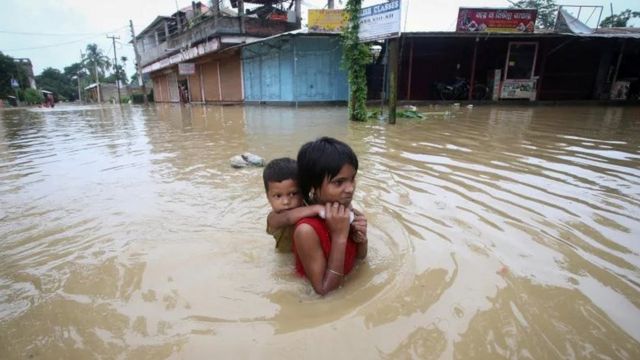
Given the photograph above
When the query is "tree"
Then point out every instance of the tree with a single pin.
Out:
(10, 70)
(94, 59)
(55, 81)
(547, 11)
(619, 20)
(122, 73)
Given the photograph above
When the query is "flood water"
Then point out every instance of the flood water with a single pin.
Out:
(494, 232)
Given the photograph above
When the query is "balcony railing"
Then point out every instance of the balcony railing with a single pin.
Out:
(211, 27)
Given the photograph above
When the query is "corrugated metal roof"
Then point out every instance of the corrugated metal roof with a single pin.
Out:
(538, 34)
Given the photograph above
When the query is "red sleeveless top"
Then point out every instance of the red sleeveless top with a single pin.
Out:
(321, 229)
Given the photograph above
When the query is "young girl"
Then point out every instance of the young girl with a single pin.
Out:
(326, 249)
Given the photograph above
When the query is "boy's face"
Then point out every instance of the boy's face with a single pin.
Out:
(284, 195)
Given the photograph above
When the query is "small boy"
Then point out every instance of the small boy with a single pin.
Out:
(280, 178)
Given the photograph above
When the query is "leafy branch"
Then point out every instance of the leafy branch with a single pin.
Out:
(355, 57)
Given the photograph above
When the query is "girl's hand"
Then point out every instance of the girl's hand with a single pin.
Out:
(337, 218)
(359, 227)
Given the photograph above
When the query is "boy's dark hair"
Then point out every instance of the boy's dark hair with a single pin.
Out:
(320, 159)
(278, 170)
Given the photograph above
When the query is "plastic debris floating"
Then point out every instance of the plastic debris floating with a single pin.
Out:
(246, 159)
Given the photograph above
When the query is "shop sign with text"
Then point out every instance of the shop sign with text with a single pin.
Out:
(380, 21)
(326, 20)
(496, 20)
(186, 68)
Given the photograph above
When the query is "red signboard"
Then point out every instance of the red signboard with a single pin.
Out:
(496, 20)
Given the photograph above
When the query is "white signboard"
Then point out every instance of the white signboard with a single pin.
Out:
(204, 48)
(380, 21)
(186, 68)
(518, 89)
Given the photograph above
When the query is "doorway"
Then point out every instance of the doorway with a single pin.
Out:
(183, 91)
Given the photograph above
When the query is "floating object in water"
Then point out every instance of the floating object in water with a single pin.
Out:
(253, 159)
(238, 162)
(470, 106)
(456, 105)
(441, 113)
(246, 159)
(410, 108)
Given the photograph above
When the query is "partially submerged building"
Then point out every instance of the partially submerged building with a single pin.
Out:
(293, 68)
(192, 55)
(101, 92)
(27, 66)
(572, 62)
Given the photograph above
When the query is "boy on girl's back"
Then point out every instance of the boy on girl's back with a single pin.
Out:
(280, 178)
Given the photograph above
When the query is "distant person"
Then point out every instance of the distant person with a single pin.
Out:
(184, 94)
(280, 178)
(50, 101)
(326, 249)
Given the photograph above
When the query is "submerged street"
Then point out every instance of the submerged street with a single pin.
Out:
(124, 233)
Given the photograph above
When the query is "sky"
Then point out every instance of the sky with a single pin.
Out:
(52, 33)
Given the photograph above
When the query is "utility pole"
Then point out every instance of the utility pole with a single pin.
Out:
(79, 92)
(138, 69)
(115, 61)
(330, 4)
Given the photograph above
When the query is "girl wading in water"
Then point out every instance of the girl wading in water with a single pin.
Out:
(326, 249)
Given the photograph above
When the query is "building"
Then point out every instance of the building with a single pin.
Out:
(26, 65)
(572, 62)
(295, 67)
(187, 54)
(107, 92)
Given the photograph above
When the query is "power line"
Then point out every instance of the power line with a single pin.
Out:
(56, 34)
(61, 44)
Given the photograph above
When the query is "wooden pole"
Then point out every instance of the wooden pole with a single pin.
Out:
(410, 70)
(473, 69)
(330, 4)
(393, 79)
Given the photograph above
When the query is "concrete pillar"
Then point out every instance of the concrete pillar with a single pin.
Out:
(241, 15)
(298, 13)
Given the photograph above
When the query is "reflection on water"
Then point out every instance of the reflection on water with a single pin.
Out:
(495, 232)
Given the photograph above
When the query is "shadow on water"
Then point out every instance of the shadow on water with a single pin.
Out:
(494, 232)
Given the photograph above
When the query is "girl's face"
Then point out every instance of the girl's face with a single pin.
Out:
(338, 189)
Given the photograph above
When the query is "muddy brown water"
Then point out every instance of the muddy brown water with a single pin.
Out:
(495, 232)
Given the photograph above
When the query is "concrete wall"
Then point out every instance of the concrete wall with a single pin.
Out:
(270, 73)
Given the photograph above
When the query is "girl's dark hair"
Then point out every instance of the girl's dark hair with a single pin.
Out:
(321, 159)
(279, 170)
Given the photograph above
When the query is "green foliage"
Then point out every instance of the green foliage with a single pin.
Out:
(355, 57)
(619, 20)
(547, 11)
(31, 96)
(55, 81)
(9, 70)
(411, 114)
(95, 60)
